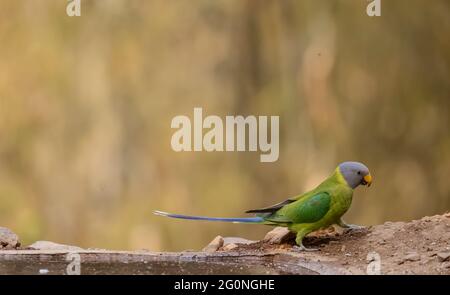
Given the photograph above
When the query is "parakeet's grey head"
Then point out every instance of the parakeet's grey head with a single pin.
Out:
(355, 173)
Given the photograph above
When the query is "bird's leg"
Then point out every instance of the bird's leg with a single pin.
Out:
(299, 241)
(342, 224)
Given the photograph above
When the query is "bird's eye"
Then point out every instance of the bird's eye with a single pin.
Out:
(359, 172)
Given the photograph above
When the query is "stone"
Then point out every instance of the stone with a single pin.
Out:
(8, 239)
(46, 245)
(443, 256)
(214, 245)
(278, 235)
(230, 247)
(236, 240)
(412, 256)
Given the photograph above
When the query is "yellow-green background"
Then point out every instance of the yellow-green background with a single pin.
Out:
(86, 105)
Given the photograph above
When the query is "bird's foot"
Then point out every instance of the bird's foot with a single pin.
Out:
(302, 248)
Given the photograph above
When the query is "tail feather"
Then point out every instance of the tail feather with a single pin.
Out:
(234, 220)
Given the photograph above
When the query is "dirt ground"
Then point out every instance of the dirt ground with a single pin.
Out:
(416, 247)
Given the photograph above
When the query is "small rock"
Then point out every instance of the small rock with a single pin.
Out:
(278, 235)
(413, 256)
(382, 242)
(236, 240)
(43, 271)
(8, 239)
(343, 248)
(214, 245)
(230, 247)
(348, 254)
(46, 245)
(443, 256)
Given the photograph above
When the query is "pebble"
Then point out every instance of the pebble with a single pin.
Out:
(413, 256)
(278, 235)
(46, 245)
(214, 245)
(236, 240)
(8, 239)
(443, 256)
(230, 247)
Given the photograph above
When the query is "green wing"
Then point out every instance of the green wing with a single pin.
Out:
(312, 209)
(306, 210)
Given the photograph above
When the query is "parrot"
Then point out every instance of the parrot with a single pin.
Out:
(318, 208)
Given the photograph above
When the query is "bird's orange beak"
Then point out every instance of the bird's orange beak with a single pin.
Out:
(368, 179)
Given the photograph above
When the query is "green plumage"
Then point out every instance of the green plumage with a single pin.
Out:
(313, 210)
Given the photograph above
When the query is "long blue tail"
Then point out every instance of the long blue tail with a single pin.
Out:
(234, 220)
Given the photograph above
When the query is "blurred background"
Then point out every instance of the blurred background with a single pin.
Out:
(86, 105)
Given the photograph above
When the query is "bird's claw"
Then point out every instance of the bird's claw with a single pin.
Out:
(302, 248)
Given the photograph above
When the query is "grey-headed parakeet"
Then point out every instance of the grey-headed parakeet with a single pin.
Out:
(313, 210)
